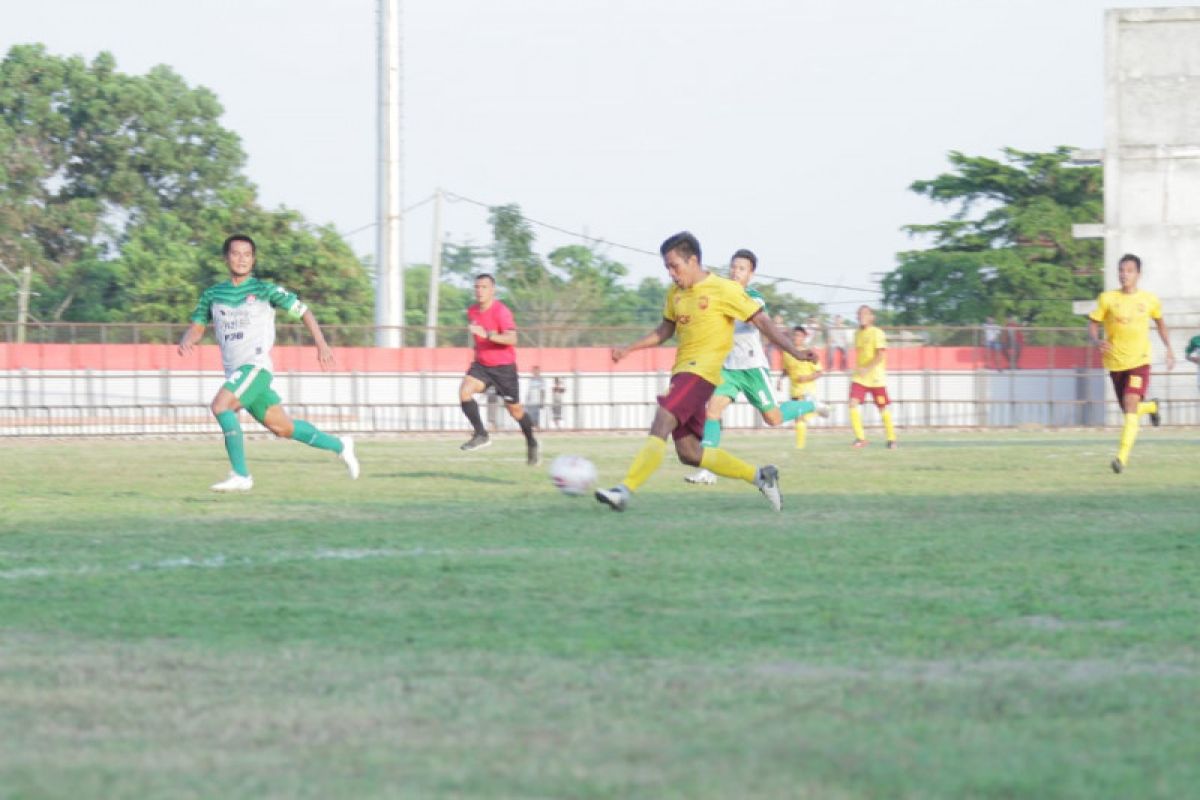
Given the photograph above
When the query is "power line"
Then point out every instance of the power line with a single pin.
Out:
(654, 253)
(375, 224)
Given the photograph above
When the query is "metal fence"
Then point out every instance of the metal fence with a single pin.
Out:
(127, 380)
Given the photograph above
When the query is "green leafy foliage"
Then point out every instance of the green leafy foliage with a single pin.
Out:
(1007, 251)
(117, 190)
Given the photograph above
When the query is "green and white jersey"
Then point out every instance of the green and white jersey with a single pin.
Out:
(1193, 346)
(243, 318)
(747, 352)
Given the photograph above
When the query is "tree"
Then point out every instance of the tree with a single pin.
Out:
(1016, 257)
(119, 189)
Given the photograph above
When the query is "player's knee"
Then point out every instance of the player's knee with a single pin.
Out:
(689, 458)
(283, 428)
(773, 417)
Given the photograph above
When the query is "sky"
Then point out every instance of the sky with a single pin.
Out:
(790, 127)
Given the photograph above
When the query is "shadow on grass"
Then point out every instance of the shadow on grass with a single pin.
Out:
(451, 476)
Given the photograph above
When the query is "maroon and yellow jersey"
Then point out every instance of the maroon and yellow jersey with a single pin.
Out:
(796, 370)
(868, 342)
(1126, 319)
(704, 315)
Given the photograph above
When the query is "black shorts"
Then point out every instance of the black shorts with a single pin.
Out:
(503, 377)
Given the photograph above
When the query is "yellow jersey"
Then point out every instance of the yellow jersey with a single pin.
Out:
(704, 317)
(796, 370)
(868, 342)
(1126, 319)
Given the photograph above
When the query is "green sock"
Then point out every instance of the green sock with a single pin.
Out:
(794, 409)
(235, 445)
(307, 433)
(712, 433)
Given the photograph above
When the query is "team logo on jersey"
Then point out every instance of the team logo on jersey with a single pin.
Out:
(703, 302)
(1141, 307)
(251, 298)
(684, 319)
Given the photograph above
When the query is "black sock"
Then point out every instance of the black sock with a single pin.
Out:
(471, 409)
(526, 428)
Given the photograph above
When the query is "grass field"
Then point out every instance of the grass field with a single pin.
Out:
(974, 615)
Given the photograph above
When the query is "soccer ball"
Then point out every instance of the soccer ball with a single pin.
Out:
(573, 475)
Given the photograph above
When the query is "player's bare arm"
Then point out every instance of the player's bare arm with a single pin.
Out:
(664, 331)
(767, 327)
(324, 351)
(1094, 335)
(191, 336)
(1166, 340)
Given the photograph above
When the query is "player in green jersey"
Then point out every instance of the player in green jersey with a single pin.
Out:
(243, 315)
(747, 372)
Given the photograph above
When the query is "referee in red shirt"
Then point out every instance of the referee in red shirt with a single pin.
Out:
(495, 364)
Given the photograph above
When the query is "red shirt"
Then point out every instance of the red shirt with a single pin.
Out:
(497, 319)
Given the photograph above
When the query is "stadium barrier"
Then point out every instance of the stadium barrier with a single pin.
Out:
(130, 381)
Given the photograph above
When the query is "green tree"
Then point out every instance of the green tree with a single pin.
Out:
(1007, 250)
(119, 189)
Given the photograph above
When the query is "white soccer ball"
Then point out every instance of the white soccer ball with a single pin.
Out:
(573, 475)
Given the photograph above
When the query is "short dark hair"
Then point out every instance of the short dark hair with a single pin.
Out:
(684, 242)
(800, 329)
(486, 276)
(749, 256)
(239, 237)
(1137, 262)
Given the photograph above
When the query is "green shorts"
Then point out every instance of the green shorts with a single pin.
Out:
(754, 383)
(251, 385)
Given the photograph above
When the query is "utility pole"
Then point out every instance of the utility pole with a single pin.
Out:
(435, 272)
(23, 301)
(389, 275)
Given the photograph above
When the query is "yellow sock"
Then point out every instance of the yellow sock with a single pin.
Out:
(801, 433)
(1128, 437)
(886, 415)
(727, 465)
(648, 459)
(856, 422)
(1147, 407)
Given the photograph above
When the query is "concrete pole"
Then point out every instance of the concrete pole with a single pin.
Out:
(389, 276)
(23, 301)
(435, 273)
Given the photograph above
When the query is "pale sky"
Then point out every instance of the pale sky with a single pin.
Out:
(790, 127)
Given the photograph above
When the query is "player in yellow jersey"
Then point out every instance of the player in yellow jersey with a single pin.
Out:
(1125, 314)
(870, 377)
(700, 310)
(802, 375)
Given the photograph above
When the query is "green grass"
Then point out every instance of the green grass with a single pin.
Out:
(973, 615)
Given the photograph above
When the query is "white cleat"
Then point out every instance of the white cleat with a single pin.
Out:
(703, 477)
(234, 483)
(348, 458)
(768, 483)
(615, 498)
(822, 410)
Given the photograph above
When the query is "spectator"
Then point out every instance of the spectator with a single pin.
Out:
(839, 342)
(535, 397)
(993, 348)
(1014, 340)
(556, 402)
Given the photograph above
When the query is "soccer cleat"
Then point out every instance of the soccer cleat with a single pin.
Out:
(1117, 466)
(615, 498)
(767, 482)
(348, 457)
(822, 410)
(893, 445)
(533, 454)
(477, 442)
(234, 483)
(703, 477)
(859, 443)
(1156, 415)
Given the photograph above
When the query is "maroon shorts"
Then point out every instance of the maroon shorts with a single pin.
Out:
(686, 400)
(878, 394)
(1131, 381)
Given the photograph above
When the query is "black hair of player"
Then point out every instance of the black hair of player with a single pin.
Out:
(800, 329)
(1137, 262)
(486, 276)
(239, 237)
(749, 256)
(684, 243)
